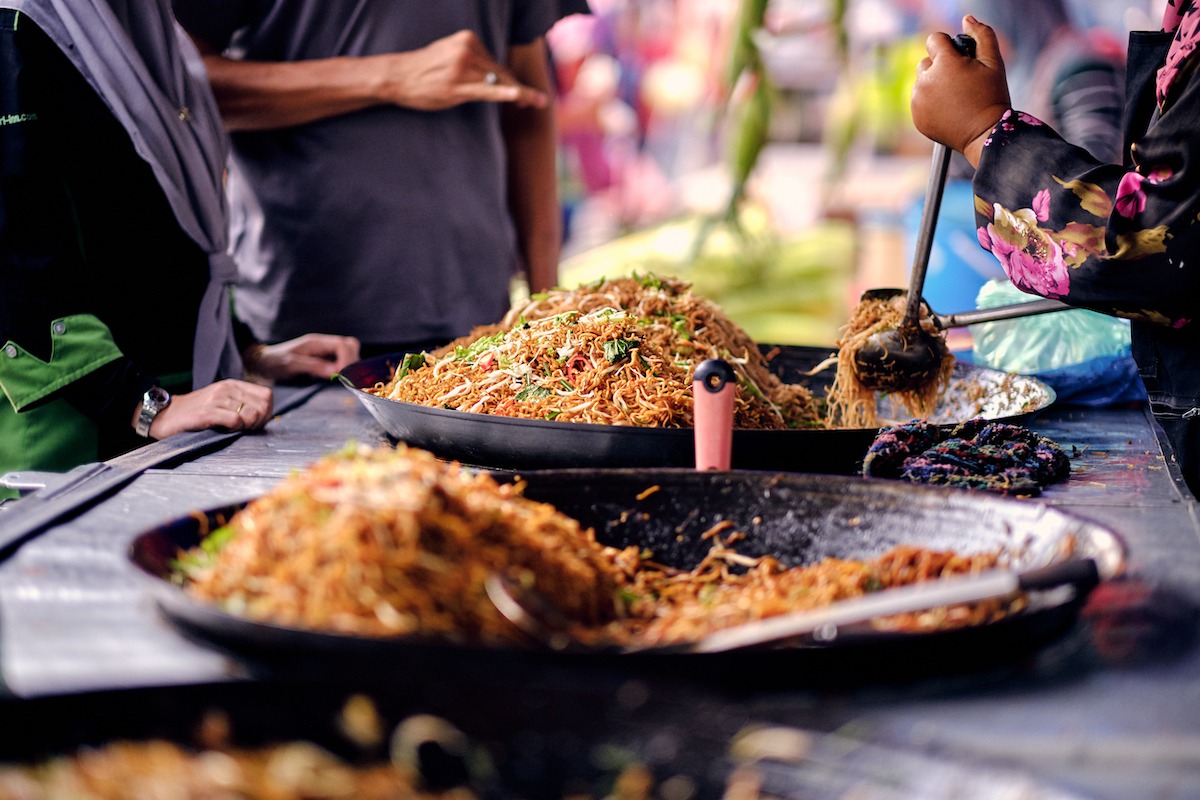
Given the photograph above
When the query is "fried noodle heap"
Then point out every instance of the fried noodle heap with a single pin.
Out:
(621, 352)
(849, 404)
(383, 542)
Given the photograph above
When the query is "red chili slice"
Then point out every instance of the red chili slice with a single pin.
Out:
(576, 364)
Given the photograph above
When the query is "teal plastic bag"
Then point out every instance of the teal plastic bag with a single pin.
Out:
(1083, 355)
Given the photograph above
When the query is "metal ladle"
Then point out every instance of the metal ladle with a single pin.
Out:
(961, 319)
(908, 357)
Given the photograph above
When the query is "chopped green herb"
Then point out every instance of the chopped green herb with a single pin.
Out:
(532, 392)
(410, 362)
(201, 557)
(680, 323)
(619, 349)
(750, 387)
(472, 351)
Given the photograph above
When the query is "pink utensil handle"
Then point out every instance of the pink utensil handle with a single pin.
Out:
(712, 397)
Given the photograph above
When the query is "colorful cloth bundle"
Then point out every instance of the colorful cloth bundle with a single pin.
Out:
(976, 454)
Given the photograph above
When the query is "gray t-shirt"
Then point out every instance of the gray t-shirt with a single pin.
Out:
(387, 224)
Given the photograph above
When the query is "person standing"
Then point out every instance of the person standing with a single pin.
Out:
(115, 318)
(1119, 238)
(393, 162)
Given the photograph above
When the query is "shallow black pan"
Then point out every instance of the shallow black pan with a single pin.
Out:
(798, 518)
(510, 443)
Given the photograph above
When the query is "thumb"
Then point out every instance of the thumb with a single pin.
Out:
(315, 366)
(987, 47)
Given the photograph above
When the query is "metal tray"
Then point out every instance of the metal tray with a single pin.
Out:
(511, 443)
(798, 518)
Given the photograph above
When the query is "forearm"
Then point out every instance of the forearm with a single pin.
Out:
(256, 95)
(530, 135)
(1097, 235)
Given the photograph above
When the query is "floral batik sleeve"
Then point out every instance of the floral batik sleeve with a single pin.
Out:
(1119, 239)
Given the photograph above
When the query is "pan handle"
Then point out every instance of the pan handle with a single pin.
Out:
(713, 386)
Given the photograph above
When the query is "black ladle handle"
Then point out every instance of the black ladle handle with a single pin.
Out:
(933, 201)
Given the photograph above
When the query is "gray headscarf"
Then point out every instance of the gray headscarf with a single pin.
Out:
(152, 79)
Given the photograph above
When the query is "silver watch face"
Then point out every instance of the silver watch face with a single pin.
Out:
(156, 398)
(153, 401)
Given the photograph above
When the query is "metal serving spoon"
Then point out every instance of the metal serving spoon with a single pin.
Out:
(545, 623)
(908, 357)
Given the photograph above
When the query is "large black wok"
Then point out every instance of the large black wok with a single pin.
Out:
(510, 443)
(798, 518)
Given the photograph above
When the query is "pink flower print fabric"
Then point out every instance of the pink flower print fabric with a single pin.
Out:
(1032, 259)
(1182, 17)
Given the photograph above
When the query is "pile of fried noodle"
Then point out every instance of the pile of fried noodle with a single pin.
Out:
(160, 769)
(620, 352)
(849, 404)
(212, 765)
(382, 542)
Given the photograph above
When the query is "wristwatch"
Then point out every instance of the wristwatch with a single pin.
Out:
(154, 400)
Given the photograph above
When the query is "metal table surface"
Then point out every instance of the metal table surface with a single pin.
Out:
(1111, 710)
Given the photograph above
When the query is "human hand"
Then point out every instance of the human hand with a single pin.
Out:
(448, 72)
(232, 404)
(957, 100)
(317, 355)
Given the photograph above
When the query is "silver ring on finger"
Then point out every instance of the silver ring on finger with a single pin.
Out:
(491, 78)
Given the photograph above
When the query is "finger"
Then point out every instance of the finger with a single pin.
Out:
(230, 418)
(262, 407)
(341, 350)
(514, 93)
(316, 366)
(506, 88)
(987, 46)
(938, 44)
(248, 417)
(260, 419)
(348, 352)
